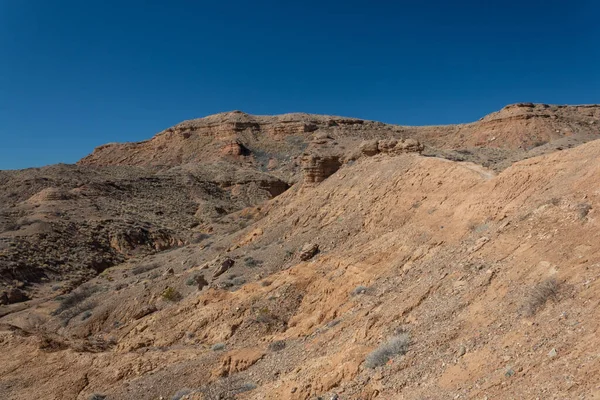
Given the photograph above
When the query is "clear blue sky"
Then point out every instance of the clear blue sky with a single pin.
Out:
(77, 74)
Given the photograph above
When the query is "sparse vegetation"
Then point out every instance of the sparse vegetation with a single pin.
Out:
(181, 393)
(277, 345)
(226, 389)
(360, 289)
(218, 347)
(583, 210)
(539, 295)
(74, 298)
(144, 268)
(97, 396)
(397, 345)
(252, 263)
(171, 294)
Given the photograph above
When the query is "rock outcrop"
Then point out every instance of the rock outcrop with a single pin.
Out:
(317, 168)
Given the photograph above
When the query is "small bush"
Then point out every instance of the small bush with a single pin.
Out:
(144, 268)
(277, 345)
(583, 210)
(86, 315)
(97, 396)
(360, 289)
(238, 281)
(397, 345)
(191, 281)
(218, 347)
(171, 294)
(183, 392)
(252, 263)
(245, 387)
(74, 298)
(539, 295)
(226, 389)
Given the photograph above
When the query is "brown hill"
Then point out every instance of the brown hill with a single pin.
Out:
(382, 274)
(509, 134)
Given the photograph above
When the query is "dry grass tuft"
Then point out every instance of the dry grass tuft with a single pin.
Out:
(397, 345)
(539, 295)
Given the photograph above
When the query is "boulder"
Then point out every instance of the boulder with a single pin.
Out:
(224, 267)
(13, 295)
(308, 251)
(369, 147)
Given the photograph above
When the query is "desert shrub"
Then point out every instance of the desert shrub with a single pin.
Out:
(397, 345)
(245, 387)
(191, 281)
(333, 323)
(360, 289)
(74, 298)
(85, 315)
(539, 295)
(171, 294)
(583, 210)
(252, 263)
(277, 345)
(97, 396)
(218, 347)
(179, 395)
(226, 389)
(238, 281)
(140, 269)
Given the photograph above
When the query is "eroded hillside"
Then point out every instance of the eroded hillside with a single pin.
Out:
(381, 273)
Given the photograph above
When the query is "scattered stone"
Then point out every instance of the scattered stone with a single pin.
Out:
(13, 295)
(224, 267)
(462, 351)
(552, 353)
(308, 251)
(169, 271)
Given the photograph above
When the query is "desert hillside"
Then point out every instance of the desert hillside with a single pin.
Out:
(304, 257)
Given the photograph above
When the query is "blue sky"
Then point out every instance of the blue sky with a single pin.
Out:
(77, 74)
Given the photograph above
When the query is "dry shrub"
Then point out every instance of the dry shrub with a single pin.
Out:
(539, 295)
(395, 346)
(171, 294)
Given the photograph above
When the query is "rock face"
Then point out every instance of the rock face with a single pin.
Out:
(390, 146)
(235, 149)
(317, 168)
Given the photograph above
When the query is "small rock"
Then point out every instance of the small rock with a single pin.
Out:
(169, 271)
(552, 353)
(509, 372)
(294, 390)
(308, 251)
(224, 267)
(462, 351)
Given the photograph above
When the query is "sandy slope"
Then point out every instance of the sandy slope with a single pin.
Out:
(448, 252)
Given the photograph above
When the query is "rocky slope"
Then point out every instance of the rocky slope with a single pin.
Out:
(382, 272)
